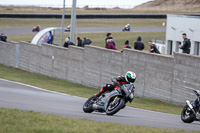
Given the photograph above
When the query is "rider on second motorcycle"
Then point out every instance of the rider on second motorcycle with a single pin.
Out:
(127, 26)
(196, 102)
(129, 77)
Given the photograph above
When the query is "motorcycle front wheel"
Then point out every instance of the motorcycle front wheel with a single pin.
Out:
(87, 106)
(114, 106)
(187, 116)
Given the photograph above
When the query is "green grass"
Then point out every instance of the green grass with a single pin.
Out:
(98, 39)
(25, 22)
(45, 82)
(16, 121)
(12, 9)
(63, 86)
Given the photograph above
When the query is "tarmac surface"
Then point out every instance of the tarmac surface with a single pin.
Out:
(24, 97)
(28, 30)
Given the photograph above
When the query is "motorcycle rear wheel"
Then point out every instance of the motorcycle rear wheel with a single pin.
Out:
(87, 106)
(114, 108)
(186, 115)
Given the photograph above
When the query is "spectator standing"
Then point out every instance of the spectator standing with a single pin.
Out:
(127, 44)
(68, 42)
(3, 37)
(80, 42)
(186, 44)
(139, 45)
(86, 41)
(109, 36)
(153, 48)
(110, 45)
(50, 38)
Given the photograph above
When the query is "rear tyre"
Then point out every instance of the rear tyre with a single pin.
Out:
(187, 116)
(114, 107)
(87, 106)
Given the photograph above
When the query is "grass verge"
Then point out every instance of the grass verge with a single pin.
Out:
(63, 86)
(34, 9)
(16, 121)
(28, 22)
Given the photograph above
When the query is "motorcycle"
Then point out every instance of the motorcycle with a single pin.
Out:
(67, 29)
(189, 114)
(110, 102)
(126, 29)
(36, 29)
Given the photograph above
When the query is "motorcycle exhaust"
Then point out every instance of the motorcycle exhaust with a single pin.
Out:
(190, 106)
(94, 107)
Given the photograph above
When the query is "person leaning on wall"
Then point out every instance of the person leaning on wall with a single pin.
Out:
(3, 37)
(153, 48)
(186, 44)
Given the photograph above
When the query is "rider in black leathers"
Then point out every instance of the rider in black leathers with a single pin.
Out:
(129, 77)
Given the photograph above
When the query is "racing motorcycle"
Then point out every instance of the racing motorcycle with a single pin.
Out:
(126, 29)
(110, 102)
(37, 29)
(190, 114)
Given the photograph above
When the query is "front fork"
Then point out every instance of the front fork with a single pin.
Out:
(113, 102)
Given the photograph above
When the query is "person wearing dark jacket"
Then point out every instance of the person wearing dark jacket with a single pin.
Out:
(139, 45)
(86, 41)
(186, 44)
(68, 42)
(80, 43)
(128, 78)
(109, 36)
(3, 37)
(153, 48)
(127, 44)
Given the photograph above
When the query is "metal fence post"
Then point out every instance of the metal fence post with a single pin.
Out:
(17, 56)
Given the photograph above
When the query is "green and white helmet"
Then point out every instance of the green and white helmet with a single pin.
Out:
(130, 77)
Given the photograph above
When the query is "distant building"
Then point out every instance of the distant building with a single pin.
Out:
(176, 26)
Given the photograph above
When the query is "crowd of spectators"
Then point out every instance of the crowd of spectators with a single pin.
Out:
(138, 44)
(110, 43)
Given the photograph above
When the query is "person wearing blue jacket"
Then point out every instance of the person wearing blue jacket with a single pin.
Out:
(50, 38)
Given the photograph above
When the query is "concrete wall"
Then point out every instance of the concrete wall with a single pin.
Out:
(7, 53)
(162, 77)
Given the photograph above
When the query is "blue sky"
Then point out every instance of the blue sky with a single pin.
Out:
(80, 3)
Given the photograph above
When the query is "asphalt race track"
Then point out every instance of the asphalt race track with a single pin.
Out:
(25, 97)
(28, 30)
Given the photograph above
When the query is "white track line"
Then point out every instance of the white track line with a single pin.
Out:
(37, 88)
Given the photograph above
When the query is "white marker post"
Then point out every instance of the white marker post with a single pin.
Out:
(73, 21)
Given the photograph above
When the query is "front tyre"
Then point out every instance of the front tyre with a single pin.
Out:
(87, 106)
(187, 116)
(114, 106)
